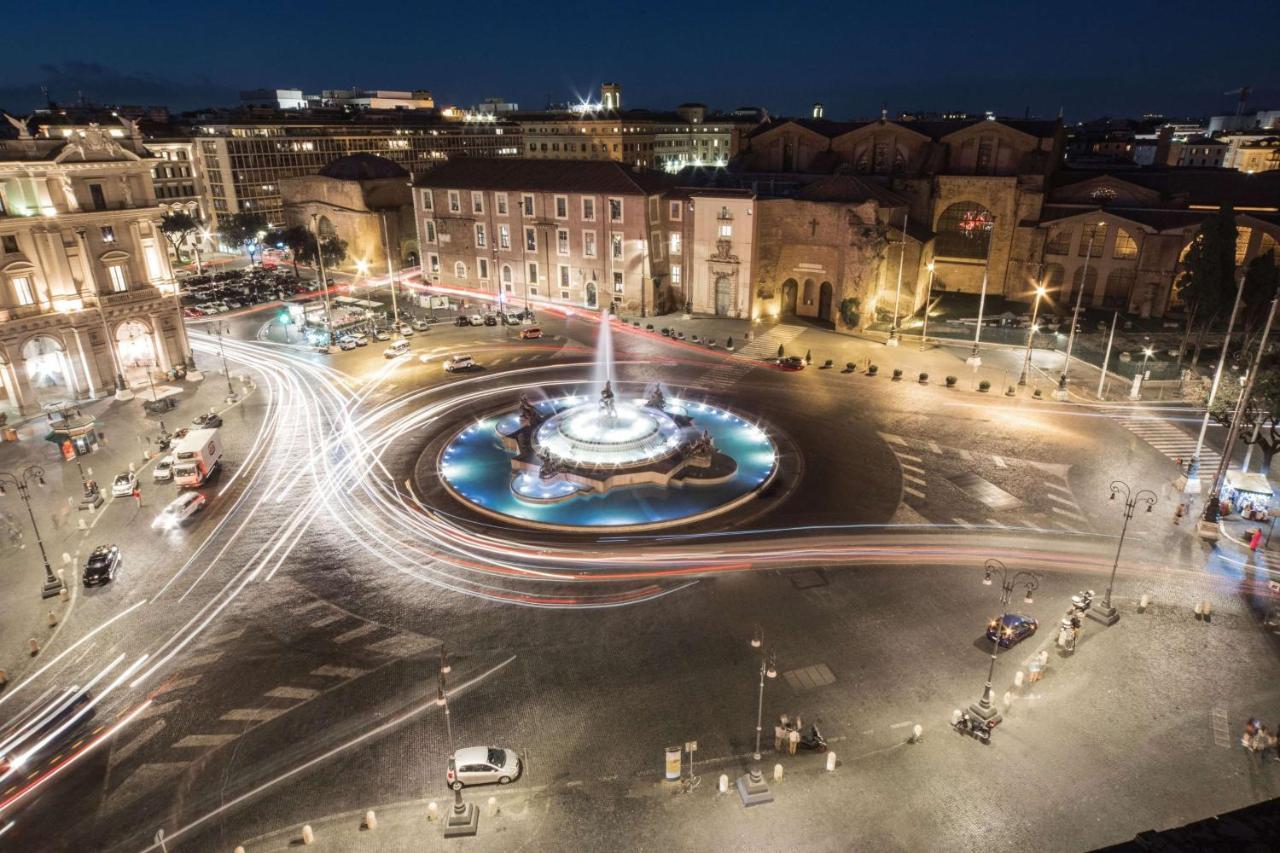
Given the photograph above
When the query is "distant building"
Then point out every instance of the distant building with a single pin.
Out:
(276, 99)
(378, 99)
(1258, 120)
(1200, 152)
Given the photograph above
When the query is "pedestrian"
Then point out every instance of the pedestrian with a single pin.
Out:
(1181, 511)
(137, 496)
(778, 732)
(793, 740)
(1033, 669)
(1256, 539)
(1250, 732)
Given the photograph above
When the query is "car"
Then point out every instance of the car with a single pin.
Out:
(124, 484)
(234, 303)
(381, 335)
(462, 320)
(530, 334)
(490, 319)
(396, 350)
(475, 320)
(791, 362)
(43, 728)
(102, 565)
(421, 326)
(163, 472)
(346, 343)
(459, 362)
(482, 765)
(361, 339)
(179, 510)
(1013, 628)
(406, 331)
(510, 319)
(192, 313)
(209, 420)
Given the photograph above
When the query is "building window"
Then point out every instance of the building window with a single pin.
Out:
(506, 275)
(675, 274)
(99, 199)
(533, 273)
(564, 275)
(500, 202)
(615, 240)
(655, 240)
(531, 239)
(615, 210)
(1059, 242)
(460, 269)
(118, 277)
(482, 269)
(653, 208)
(588, 210)
(562, 207)
(455, 202)
(617, 282)
(433, 263)
(562, 241)
(588, 244)
(675, 211)
(431, 230)
(526, 205)
(726, 231)
(426, 200)
(1126, 247)
(674, 237)
(108, 234)
(504, 236)
(477, 203)
(1095, 235)
(480, 236)
(9, 243)
(964, 231)
(23, 292)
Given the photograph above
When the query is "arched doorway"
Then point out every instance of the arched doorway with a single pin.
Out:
(824, 301)
(47, 370)
(724, 295)
(411, 259)
(789, 288)
(807, 297)
(325, 227)
(591, 294)
(136, 351)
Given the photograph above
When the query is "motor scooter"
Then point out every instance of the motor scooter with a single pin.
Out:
(813, 739)
(967, 724)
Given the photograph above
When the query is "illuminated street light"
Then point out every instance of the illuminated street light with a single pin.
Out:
(1106, 614)
(985, 708)
(1031, 333)
(928, 297)
(1061, 392)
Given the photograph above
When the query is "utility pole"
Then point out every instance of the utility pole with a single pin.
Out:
(897, 298)
(1193, 470)
(391, 274)
(1061, 392)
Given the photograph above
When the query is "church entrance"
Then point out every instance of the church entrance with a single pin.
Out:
(789, 288)
(824, 302)
(724, 296)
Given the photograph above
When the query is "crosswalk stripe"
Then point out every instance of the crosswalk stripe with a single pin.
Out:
(256, 715)
(962, 522)
(338, 671)
(356, 633)
(303, 693)
(203, 741)
(913, 492)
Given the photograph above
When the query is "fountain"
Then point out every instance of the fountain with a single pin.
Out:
(602, 460)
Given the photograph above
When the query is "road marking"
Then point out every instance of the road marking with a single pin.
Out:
(916, 480)
(909, 457)
(203, 741)
(1066, 528)
(303, 693)
(307, 607)
(256, 715)
(402, 645)
(895, 439)
(1000, 463)
(338, 671)
(1059, 499)
(912, 468)
(913, 492)
(995, 523)
(118, 755)
(357, 633)
(962, 523)
(902, 725)
(180, 684)
(1072, 513)
(328, 620)
(934, 447)
(201, 660)
(1221, 728)
(966, 456)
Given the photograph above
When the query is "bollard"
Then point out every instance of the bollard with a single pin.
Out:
(917, 732)
(1198, 611)
(1207, 609)
(33, 645)
(724, 783)
(831, 760)
(1018, 678)
(370, 820)
(83, 525)
(52, 619)
(1144, 602)
(1008, 699)
(777, 772)
(308, 837)
(433, 810)
(64, 594)
(493, 806)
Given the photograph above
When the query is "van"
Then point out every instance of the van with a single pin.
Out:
(396, 350)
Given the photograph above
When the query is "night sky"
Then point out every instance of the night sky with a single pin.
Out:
(1176, 58)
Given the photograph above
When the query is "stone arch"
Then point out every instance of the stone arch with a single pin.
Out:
(724, 295)
(809, 293)
(325, 227)
(825, 295)
(789, 291)
(1090, 280)
(964, 231)
(47, 368)
(135, 344)
(1121, 283)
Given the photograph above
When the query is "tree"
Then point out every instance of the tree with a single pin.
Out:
(1261, 283)
(297, 239)
(1262, 411)
(1206, 284)
(851, 311)
(241, 230)
(334, 251)
(176, 227)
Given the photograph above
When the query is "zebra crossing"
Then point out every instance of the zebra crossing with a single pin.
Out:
(1167, 437)
(761, 346)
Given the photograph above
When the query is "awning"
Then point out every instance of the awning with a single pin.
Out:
(1253, 483)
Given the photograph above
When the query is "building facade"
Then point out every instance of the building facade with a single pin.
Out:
(87, 300)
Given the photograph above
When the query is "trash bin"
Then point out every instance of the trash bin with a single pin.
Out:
(673, 763)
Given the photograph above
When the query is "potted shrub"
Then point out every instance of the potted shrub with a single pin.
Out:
(827, 364)
(924, 379)
(666, 333)
(849, 367)
(1010, 391)
(808, 356)
(648, 327)
(984, 386)
(897, 374)
(872, 369)
(1038, 394)
(951, 382)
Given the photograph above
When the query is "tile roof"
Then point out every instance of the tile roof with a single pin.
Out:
(533, 175)
(1189, 186)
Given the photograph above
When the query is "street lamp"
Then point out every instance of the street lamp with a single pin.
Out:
(767, 670)
(1106, 614)
(22, 482)
(1061, 392)
(222, 328)
(1031, 333)
(324, 284)
(928, 297)
(897, 298)
(985, 708)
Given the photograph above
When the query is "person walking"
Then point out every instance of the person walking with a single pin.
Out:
(1181, 511)
(778, 733)
(1255, 539)
(793, 741)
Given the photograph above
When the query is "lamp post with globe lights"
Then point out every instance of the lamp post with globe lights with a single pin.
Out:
(1105, 613)
(752, 788)
(22, 482)
(985, 708)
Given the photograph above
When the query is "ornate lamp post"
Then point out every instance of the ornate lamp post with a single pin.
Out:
(22, 482)
(985, 708)
(1106, 614)
(223, 328)
(767, 670)
(1031, 334)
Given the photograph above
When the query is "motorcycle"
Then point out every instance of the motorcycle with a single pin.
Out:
(813, 739)
(1082, 600)
(966, 724)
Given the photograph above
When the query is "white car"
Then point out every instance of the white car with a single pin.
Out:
(396, 350)
(476, 320)
(179, 510)
(124, 484)
(346, 344)
(482, 765)
(459, 362)
(406, 331)
(421, 326)
(163, 472)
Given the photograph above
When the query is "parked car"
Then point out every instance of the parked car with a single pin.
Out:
(421, 325)
(102, 565)
(361, 339)
(462, 320)
(406, 331)
(124, 484)
(163, 472)
(347, 343)
(179, 510)
(482, 765)
(381, 335)
(791, 362)
(396, 350)
(1012, 628)
(530, 334)
(209, 420)
(491, 319)
(459, 362)
(476, 320)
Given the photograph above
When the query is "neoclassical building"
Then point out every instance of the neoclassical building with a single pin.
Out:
(87, 300)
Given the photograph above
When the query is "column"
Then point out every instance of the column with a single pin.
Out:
(84, 362)
(158, 342)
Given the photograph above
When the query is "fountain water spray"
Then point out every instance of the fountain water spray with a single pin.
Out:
(604, 352)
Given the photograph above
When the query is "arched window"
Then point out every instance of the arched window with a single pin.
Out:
(506, 273)
(1268, 244)
(1053, 276)
(1090, 286)
(1092, 240)
(1059, 242)
(808, 291)
(1126, 246)
(1120, 284)
(964, 231)
(325, 227)
(460, 269)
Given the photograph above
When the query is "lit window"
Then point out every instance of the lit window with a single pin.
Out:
(433, 263)
(615, 210)
(455, 202)
(526, 204)
(675, 211)
(1126, 246)
(726, 231)
(615, 240)
(675, 242)
(504, 237)
(23, 292)
(675, 273)
(964, 231)
(617, 282)
(119, 278)
(1059, 242)
(589, 210)
(477, 202)
(460, 269)
(562, 241)
(500, 202)
(480, 236)
(426, 200)
(108, 234)
(531, 239)
(589, 244)
(1095, 235)
(506, 275)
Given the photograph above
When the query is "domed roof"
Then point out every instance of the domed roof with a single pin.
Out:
(363, 167)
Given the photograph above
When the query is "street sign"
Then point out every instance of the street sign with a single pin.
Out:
(692, 745)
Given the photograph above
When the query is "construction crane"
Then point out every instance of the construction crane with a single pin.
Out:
(1243, 92)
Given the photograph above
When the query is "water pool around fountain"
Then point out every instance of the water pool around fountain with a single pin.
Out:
(476, 465)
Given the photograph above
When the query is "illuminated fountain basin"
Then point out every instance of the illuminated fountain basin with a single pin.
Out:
(645, 467)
